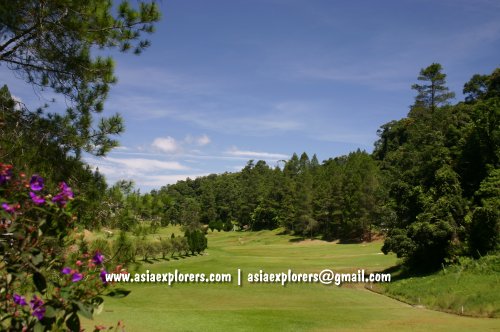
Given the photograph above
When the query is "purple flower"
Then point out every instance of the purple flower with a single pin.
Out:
(8, 208)
(64, 195)
(77, 277)
(36, 183)
(65, 189)
(103, 276)
(98, 258)
(66, 270)
(19, 300)
(38, 200)
(36, 305)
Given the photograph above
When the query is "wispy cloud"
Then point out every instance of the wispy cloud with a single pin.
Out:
(220, 117)
(256, 154)
(146, 173)
(160, 180)
(141, 164)
(200, 140)
(166, 81)
(388, 78)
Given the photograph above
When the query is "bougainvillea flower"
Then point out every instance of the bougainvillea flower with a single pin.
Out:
(98, 258)
(36, 305)
(77, 277)
(19, 300)
(8, 208)
(38, 200)
(103, 276)
(36, 183)
(64, 195)
(66, 270)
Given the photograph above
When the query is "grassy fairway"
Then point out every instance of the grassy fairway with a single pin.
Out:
(268, 307)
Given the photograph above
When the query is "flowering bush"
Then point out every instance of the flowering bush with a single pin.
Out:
(45, 281)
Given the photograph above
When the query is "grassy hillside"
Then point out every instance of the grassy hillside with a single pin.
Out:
(264, 307)
(470, 288)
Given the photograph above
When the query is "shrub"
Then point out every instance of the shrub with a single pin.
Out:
(166, 247)
(43, 286)
(124, 249)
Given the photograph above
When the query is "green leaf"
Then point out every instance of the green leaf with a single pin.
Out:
(39, 327)
(85, 310)
(118, 292)
(40, 282)
(99, 309)
(73, 322)
(50, 312)
(37, 259)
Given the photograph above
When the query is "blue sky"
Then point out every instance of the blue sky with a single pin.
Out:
(228, 81)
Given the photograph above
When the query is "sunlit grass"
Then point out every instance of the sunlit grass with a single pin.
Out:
(265, 307)
(472, 288)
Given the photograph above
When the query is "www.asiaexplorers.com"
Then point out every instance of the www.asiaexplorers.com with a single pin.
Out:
(325, 277)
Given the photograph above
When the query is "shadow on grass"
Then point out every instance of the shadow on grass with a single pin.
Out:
(401, 272)
(351, 241)
(297, 239)
(152, 260)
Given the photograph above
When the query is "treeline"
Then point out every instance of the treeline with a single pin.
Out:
(342, 198)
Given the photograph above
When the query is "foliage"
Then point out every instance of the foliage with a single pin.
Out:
(435, 92)
(52, 45)
(441, 164)
(197, 241)
(123, 249)
(36, 250)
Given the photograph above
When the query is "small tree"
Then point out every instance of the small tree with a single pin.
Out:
(434, 92)
(166, 247)
(123, 249)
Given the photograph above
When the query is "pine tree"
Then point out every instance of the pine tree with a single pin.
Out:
(434, 92)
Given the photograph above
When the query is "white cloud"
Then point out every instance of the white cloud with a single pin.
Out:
(141, 164)
(203, 140)
(255, 154)
(146, 173)
(166, 144)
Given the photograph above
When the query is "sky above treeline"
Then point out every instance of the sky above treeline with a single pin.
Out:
(226, 81)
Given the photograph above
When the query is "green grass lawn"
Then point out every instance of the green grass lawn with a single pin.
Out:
(272, 307)
(470, 288)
